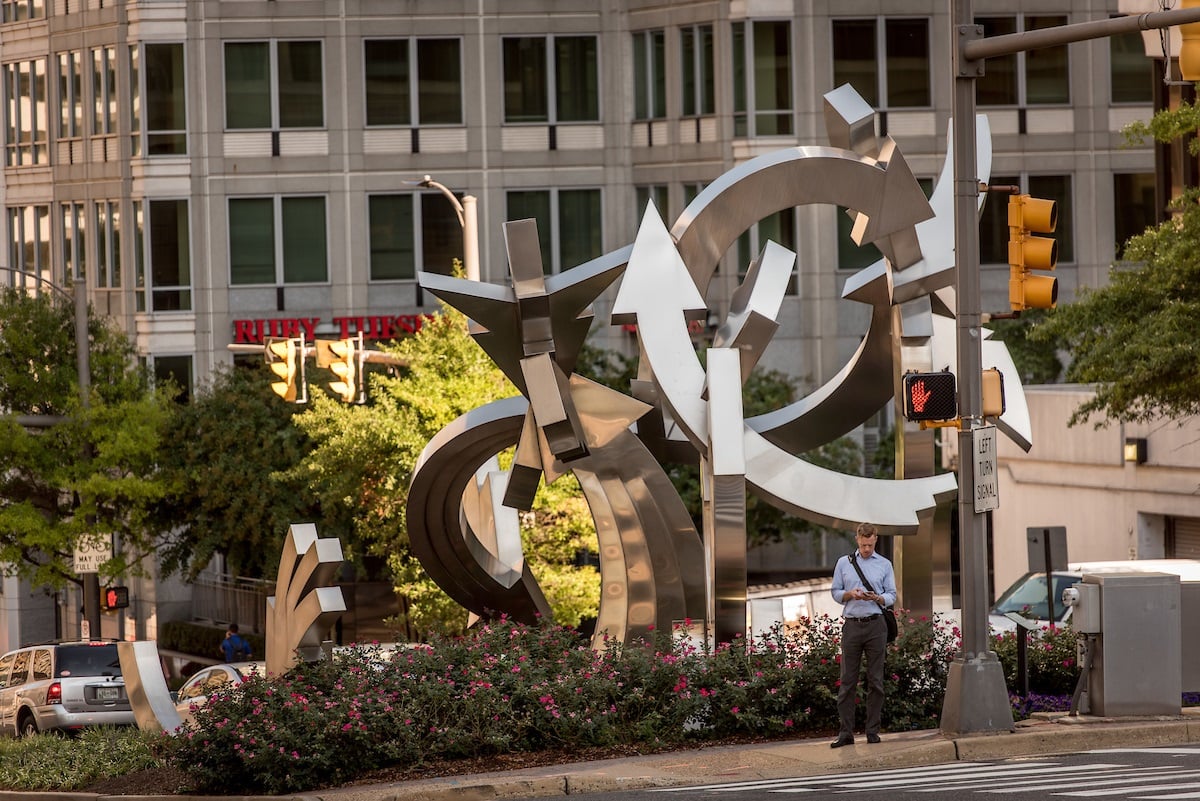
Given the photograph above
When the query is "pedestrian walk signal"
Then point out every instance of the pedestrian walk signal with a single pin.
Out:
(115, 598)
(930, 396)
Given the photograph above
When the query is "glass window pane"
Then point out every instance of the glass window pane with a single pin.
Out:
(166, 95)
(708, 79)
(741, 78)
(1132, 71)
(526, 91)
(854, 59)
(1134, 206)
(1047, 77)
(170, 264)
(247, 85)
(998, 86)
(1058, 189)
(576, 79)
(641, 91)
(390, 221)
(534, 205)
(907, 42)
(658, 46)
(441, 234)
(176, 370)
(304, 250)
(387, 80)
(772, 78)
(993, 225)
(252, 240)
(579, 233)
(687, 64)
(439, 82)
(301, 100)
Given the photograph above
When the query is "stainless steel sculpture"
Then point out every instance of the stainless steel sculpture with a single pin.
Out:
(304, 606)
(146, 687)
(650, 553)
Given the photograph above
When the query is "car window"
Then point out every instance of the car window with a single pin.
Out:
(20, 669)
(194, 686)
(216, 681)
(42, 664)
(100, 659)
(5, 664)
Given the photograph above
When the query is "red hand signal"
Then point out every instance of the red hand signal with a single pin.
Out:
(919, 396)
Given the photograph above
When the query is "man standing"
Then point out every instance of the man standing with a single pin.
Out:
(864, 631)
(234, 647)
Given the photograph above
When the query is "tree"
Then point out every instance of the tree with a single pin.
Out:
(1037, 358)
(361, 465)
(1135, 339)
(228, 472)
(92, 474)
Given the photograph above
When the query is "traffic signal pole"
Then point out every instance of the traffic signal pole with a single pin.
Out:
(976, 697)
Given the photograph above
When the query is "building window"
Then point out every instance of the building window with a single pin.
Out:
(25, 136)
(29, 246)
(762, 78)
(70, 95)
(164, 279)
(406, 83)
(106, 222)
(1033, 78)
(779, 228)
(104, 91)
(177, 371)
(570, 229)
(20, 10)
(644, 195)
(273, 85)
(277, 240)
(885, 60)
(697, 70)
(993, 225)
(551, 79)
(402, 231)
(649, 75)
(165, 93)
(1131, 69)
(1134, 206)
(74, 246)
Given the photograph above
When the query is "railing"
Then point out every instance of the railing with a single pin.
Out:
(230, 599)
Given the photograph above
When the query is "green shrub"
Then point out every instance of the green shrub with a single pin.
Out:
(1053, 666)
(49, 761)
(202, 639)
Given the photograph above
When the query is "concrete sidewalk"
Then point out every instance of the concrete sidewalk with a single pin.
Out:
(1054, 733)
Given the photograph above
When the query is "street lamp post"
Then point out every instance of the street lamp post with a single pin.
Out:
(91, 581)
(468, 219)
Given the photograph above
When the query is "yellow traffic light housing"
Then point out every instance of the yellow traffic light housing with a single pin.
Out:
(285, 357)
(1028, 216)
(1189, 51)
(342, 357)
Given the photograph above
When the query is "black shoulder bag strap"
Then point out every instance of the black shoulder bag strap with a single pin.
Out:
(867, 584)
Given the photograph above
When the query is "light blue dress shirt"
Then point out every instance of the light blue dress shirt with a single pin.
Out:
(878, 571)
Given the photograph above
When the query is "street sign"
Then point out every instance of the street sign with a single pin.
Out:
(90, 553)
(987, 494)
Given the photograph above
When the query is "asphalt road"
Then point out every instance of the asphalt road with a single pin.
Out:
(1164, 772)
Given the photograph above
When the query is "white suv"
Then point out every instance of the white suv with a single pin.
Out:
(62, 687)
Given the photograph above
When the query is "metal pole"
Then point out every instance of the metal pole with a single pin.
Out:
(979, 49)
(976, 697)
(471, 237)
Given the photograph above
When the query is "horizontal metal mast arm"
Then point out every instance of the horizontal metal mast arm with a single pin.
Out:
(991, 47)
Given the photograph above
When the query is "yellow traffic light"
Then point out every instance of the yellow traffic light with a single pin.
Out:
(1027, 216)
(285, 357)
(341, 357)
(1189, 51)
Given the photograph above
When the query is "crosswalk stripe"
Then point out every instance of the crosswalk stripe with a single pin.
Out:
(828, 778)
(1079, 776)
(1127, 790)
(1004, 771)
(1173, 795)
(1106, 781)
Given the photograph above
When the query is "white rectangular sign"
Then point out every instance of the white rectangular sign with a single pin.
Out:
(987, 489)
(90, 553)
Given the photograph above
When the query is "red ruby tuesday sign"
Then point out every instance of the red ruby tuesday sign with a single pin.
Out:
(372, 327)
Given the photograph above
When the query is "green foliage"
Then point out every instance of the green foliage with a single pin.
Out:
(1037, 359)
(95, 472)
(201, 640)
(231, 492)
(63, 764)
(1167, 126)
(1134, 339)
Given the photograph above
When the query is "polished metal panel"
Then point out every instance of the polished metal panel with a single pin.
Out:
(755, 305)
(146, 687)
(304, 607)
(723, 474)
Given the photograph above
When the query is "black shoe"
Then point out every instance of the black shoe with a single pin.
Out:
(839, 742)
(872, 738)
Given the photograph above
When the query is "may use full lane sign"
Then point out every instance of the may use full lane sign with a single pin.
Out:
(987, 490)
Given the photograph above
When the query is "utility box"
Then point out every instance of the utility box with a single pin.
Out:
(1136, 670)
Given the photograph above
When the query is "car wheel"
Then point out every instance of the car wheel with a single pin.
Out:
(27, 727)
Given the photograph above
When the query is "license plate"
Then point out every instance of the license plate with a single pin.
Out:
(108, 693)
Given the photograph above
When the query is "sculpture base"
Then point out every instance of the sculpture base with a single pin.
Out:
(976, 697)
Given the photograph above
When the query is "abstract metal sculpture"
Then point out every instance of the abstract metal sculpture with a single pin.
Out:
(304, 606)
(651, 557)
(146, 687)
